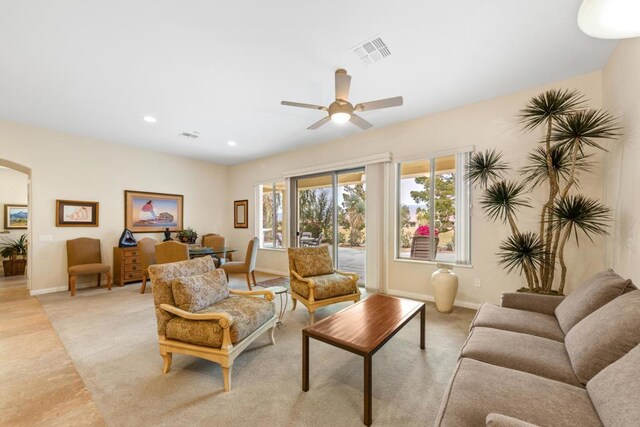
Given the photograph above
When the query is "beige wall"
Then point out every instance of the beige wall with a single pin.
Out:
(490, 124)
(65, 166)
(621, 80)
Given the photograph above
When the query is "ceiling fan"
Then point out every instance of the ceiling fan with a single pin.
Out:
(341, 110)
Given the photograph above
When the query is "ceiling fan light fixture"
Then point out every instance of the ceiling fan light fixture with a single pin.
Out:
(340, 117)
(610, 19)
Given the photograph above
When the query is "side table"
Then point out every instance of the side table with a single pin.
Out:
(284, 300)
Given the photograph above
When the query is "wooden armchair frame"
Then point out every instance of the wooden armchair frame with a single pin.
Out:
(226, 354)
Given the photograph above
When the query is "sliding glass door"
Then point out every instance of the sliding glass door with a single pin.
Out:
(329, 210)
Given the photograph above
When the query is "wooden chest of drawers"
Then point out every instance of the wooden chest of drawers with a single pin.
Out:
(127, 267)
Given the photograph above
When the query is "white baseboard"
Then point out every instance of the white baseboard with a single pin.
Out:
(423, 297)
(269, 271)
(34, 292)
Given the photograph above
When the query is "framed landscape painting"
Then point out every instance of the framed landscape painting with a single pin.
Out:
(16, 217)
(152, 212)
(74, 213)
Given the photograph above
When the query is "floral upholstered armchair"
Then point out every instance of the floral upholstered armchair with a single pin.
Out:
(314, 281)
(200, 316)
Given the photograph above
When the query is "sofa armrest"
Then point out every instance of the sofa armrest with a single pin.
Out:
(352, 276)
(499, 420)
(268, 295)
(298, 277)
(545, 304)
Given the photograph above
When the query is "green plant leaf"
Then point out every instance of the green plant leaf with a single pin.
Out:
(535, 172)
(519, 250)
(585, 128)
(486, 166)
(502, 199)
(582, 213)
(553, 104)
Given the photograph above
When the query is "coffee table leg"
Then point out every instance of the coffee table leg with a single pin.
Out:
(305, 361)
(367, 390)
(423, 315)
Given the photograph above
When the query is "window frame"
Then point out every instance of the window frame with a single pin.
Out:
(463, 203)
(271, 185)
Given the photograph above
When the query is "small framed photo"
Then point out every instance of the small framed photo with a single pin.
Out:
(75, 213)
(16, 217)
(241, 214)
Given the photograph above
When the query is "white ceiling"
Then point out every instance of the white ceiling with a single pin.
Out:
(96, 68)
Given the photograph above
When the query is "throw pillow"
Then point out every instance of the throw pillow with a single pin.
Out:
(590, 296)
(193, 293)
(604, 336)
(313, 262)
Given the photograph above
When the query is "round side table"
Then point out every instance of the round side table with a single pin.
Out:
(284, 300)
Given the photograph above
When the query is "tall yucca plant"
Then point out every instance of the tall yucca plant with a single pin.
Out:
(569, 131)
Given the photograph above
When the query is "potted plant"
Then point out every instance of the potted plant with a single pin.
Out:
(16, 252)
(188, 235)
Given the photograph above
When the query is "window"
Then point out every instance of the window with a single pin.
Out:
(433, 214)
(271, 198)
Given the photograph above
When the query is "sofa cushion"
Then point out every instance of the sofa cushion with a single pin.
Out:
(312, 262)
(499, 420)
(327, 286)
(478, 389)
(615, 390)
(525, 322)
(590, 296)
(522, 352)
(193, 293)
(604, 336)
(248, 314)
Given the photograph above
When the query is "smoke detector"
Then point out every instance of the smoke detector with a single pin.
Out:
(194, 134)
(372, 50)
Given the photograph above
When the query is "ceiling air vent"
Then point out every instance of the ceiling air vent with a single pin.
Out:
(372, 50)
(190, 134)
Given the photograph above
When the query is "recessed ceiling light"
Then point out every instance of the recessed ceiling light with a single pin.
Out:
(231, 143)
(149, 119)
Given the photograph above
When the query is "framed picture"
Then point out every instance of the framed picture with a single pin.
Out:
(16, 217)
(74, 213)
(241, 214)
(152, 212)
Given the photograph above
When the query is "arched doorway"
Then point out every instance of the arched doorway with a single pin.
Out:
(16, 175)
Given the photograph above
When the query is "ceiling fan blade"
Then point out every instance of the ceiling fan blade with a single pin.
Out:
(319, 123)
(380, 103)
(360, 122)
(301, 105)
(343, 82)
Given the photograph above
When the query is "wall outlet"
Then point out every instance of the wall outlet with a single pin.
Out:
(477, 283)
(46, 238)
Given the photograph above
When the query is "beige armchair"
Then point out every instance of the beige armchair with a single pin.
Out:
(247, 266)
(314, 281)
(147, 249)
(198, 315)
(171, 252)
(85, 258)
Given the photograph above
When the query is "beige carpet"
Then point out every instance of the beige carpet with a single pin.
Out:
(111, 338)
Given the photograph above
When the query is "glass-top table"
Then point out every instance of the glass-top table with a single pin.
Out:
(204, 251)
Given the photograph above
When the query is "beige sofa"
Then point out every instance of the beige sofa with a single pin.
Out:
(551, 361)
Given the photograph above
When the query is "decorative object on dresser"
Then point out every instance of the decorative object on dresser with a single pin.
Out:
(84, 257)
(74, 213)
(247, 266)
(167, 235)
(188, 235)
(171, 252)
(127, 266)
(147, 248)
(315, 283)
(127, 240)
(198, 315)
(241, 214)
(152, 212)
(16, 217)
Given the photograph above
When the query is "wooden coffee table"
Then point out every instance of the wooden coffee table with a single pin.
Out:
(363, 329)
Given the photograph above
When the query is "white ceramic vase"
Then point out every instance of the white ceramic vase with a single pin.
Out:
(445, 285)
